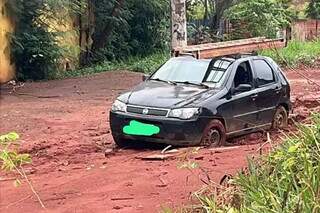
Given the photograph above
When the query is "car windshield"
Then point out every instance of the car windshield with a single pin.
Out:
(181, 70)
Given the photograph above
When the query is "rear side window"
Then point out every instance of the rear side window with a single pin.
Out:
(264, 72)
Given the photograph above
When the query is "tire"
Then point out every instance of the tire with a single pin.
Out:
(280, 118)
(120, 142)
(214, 135)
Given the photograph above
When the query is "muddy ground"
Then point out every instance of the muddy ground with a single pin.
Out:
(64, 126)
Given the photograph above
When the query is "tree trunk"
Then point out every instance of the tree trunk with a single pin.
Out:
(86, 23)
(178, 24)
(101, 39)
(220, 7)
(206, 10)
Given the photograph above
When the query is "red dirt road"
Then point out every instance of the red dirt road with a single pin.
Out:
(64, 126)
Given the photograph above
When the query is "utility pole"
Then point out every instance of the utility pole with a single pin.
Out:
(178, 24)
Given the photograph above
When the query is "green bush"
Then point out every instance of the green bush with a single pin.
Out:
(287, 180)
(296, 53)
(146, 64)
(140, 28)
(35, 47)
(252, 18)
(10, 159)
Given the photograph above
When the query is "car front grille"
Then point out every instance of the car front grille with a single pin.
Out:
(147, 111)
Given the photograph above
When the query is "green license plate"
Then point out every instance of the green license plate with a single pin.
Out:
(140, 129)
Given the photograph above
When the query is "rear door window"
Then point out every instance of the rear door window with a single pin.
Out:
(264, 72)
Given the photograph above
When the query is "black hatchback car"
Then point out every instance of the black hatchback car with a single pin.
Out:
(189, 101)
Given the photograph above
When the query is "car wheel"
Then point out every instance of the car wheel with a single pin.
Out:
(280, 119)
(214, 134)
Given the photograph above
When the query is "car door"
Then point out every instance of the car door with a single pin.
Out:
(242, 108)
(268, 90)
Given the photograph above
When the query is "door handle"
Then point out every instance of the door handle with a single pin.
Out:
(277, 90)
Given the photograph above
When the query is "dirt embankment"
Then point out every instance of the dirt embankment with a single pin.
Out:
(64, 126)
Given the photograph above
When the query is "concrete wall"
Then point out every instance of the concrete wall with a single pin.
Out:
(7, 69)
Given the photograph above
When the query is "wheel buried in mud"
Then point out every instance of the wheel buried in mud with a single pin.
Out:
(280, 119)
(214, 135)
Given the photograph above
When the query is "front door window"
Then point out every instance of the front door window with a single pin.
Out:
(243, 75)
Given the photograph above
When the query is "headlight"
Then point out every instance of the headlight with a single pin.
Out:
(184, 113)
(119, 106)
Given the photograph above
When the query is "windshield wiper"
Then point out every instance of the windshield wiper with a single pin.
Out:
(168, 82)
(195, 84)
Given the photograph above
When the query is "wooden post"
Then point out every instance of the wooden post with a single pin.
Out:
(178, 24)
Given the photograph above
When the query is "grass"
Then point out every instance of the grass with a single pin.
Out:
(137, 64)
(287, 180)
(296, 53)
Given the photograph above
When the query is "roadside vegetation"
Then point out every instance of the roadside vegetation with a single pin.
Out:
(285, 180)
(141, 64)
(116, 31)
(296, 53)
(10, 159)
(12, 162)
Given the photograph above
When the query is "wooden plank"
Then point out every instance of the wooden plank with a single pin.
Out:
(204, 51)
(223, 44)
(209, 53)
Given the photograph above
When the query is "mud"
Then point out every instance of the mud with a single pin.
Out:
(64, 126)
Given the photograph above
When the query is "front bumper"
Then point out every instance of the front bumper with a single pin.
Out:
(172, 131)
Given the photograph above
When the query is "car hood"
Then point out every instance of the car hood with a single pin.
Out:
(163, 95)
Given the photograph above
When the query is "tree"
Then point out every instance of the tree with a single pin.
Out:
(101, 37)
(132, 27)
(220, 7)
(313, 9)
(35, 45)
(34, 48)
(251, 18)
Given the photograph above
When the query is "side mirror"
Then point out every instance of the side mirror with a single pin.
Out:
(145, 77)
(243, 88)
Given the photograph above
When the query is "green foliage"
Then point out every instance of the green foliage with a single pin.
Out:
(287, 180)
(141, 27)
(313, 9)
(10, 160)
(165, 209)
(186, 161)
(149, 26)
(146, 64)
(296, 53)
(195, 10)
(35, 48)
(258, 18)
(36, 54)
(200, 35)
